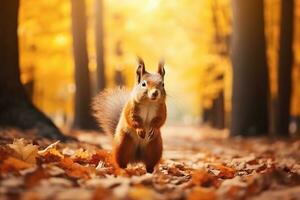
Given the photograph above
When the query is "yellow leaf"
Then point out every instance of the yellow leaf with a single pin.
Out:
(82, 156)
(200, 193)
(24, 151)
(141, 192)
(50, 154)
(53, 145)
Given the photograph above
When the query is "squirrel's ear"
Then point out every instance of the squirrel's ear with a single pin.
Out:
(161, 69)
(140, 69)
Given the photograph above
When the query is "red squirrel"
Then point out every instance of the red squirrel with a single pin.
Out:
(135, 118)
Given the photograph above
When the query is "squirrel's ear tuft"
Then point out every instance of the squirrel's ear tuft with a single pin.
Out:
(161, 69)
(140, 71)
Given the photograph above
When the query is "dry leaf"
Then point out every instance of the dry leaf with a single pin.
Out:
(5, 151)
(134, 170)
(222, 171)
(101, 155)
(51, 146)
(75, 170)
(141, 192)
(13, 164)
(24, 151)
(103, 194)
(51, 155)
(81, 156)
(33, 178)
(204, 179)
(200, 193)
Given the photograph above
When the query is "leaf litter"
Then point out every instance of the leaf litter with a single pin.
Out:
(194, 166)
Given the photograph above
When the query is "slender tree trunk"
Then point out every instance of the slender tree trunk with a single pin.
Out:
(285, 67)
(82, 118)
(99, 45)
(219, 113)
(250, 75)
(16, 109)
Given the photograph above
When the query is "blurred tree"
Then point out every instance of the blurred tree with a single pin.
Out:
(99, 45)
(219, 112)
(215, 115)
(285, 64)
(82, 118)
(250, 74)
(16, 109)
(119, 78)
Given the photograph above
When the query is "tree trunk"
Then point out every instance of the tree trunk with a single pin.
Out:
(99, 45)
(16, 109)
(82, 118)
(250, 75)
(219, 113)
(285, 64)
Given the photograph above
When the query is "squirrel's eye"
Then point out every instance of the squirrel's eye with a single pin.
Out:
(144, 84)
(163, 84)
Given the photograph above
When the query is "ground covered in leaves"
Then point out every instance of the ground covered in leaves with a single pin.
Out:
(197, 164)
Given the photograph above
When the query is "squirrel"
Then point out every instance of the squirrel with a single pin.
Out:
(135, 118)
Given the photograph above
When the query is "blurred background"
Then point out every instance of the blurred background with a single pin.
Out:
(59, 40)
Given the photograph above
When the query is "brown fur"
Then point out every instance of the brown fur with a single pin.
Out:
(153, 153)
(133, 120)
(124, 150)
(132, 115)
(159, 121)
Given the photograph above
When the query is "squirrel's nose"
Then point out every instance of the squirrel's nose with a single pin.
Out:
(154, 94)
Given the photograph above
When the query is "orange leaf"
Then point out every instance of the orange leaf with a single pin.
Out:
(75, 170)
(66, 163)
(100, 155)
(102, 193)
(5, 151)
(51, 155)
(33, 178)
(204, 179)
(200, 193)
(13, 164)
(224, 171)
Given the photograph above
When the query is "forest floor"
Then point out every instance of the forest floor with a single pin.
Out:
(197, 164)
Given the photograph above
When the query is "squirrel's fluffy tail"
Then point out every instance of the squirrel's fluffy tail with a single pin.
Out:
(107, 107)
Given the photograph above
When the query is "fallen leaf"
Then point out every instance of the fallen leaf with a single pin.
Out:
(51, 146)
(24, 151)
(5, 151)
(51, 155)
(204, 179)
(75, 170)
(141, 192)
(32, 179)
(103, 194)
(136, 170)
(101, 155)
(81, 156)
(13, 164)
(200, 193)
(222, 171)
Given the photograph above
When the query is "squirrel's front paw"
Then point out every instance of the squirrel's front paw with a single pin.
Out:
(151, 133)
(141, 133)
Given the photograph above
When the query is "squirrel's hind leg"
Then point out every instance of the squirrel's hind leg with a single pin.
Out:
(153, 153)
(124, 149)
